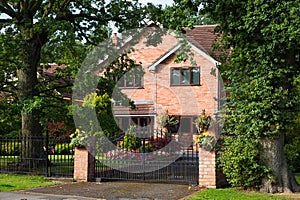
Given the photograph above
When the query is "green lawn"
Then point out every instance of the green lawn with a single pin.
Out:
(235, 194)
(9, 182)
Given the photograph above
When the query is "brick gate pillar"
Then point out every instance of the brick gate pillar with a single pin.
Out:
(207, 169)
(84, 164)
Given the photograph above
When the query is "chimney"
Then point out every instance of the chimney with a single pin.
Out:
(115, 39)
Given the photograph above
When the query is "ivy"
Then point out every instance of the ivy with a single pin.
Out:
(260, 72)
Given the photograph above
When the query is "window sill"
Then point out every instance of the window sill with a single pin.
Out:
(131, 87)
(185, 85)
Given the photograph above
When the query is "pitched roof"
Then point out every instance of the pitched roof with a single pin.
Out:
(163, 57)
(203, 37)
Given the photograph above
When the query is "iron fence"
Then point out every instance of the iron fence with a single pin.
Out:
(36, 155)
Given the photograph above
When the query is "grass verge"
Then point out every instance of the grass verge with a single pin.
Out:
(235, 194)
(10, 182)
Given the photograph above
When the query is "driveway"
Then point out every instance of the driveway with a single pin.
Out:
(105, 190)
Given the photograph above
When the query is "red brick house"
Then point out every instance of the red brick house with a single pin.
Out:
(181, 89)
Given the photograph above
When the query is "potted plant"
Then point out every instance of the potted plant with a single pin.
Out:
(202, 122)
(165, 121)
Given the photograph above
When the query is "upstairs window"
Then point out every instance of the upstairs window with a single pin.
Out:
(132, 78)
(130, 81)
(185, 76)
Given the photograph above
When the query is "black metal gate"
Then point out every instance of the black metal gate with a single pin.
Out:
(159, 158)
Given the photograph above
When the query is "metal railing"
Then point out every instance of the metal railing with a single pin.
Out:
(36, 155)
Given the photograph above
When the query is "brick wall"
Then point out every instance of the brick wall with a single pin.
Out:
(84, 165)
(207, 169)
(178, 100)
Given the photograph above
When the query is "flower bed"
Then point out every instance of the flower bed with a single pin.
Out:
(122, 154)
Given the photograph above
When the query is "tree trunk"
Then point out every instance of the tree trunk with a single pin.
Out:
(272, 155)
(32, 146)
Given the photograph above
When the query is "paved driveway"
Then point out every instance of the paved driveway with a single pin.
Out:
(32, 196)
(104, 190)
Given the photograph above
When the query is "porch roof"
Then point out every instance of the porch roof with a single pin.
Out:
(141, 110)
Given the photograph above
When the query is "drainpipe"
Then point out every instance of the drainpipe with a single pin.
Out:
(154, 95)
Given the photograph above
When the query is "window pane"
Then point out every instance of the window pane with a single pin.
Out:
(138, 81)
(195, 76)
(185, 125)
(185, 76)
(194, 126)
(125, 123)
(134, 121)
(129, 80)
(121, 82)
(174, 128)
(175, 77)
(143, 122)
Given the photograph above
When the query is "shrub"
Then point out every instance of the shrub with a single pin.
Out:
(63, 148)
(159, 142)
(292, 152)
(239, 160)
(11, 148)
(147, 148)
(131, 142)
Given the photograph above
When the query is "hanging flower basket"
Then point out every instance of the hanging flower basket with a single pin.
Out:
(205, 141)
(79, 139)
(202, 122)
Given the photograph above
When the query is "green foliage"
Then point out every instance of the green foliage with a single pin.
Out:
(292, 152)
(234, 194)
(180, 14)
(239, 159)
(260, 74)
(10, 119)
(292, 138)
(130, 140)
(102, 105)
(203, 121)
(63, 149)
(10, 148)
(292, 148)
(80, 138)
(36, 33)
(146, 148)
(297, 176)
(165, 120)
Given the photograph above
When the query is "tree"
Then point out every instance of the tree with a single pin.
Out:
(30, 35)
(261, 72)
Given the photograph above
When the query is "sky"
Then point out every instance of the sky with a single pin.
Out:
(163, 2)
